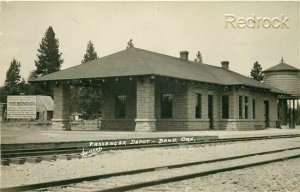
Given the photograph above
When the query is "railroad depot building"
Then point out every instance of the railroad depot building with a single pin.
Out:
(148, 91)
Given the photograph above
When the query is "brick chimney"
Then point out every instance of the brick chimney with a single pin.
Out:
(184, 55)
(225, 64)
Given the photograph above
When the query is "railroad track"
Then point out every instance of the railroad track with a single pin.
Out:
(35, 155)
(136, 179)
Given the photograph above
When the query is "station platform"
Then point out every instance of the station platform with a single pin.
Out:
(11, 135)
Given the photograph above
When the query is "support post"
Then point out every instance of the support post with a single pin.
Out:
(282, 112)
(285, 111)
(293, 115)
(145, 105)
(61, 115)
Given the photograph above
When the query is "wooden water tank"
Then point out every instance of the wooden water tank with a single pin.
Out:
(284, 77)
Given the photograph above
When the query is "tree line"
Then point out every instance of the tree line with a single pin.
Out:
(85, 100)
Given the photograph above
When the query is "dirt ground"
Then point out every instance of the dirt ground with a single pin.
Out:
(36, 134)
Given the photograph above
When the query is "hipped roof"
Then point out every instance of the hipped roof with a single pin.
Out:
(134, 61)
(281, 67)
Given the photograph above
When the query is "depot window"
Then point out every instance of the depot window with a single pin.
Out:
(120, 111)
(240, 107)
(246, 108)
(225, 106)
(166, 105)
(198, 106)
(253, 108)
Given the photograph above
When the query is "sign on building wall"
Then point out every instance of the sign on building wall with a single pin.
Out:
(21, 107)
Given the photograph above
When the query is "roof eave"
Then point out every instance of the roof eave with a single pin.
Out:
(283, 70)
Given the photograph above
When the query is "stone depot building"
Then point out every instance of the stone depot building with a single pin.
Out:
(148, 91)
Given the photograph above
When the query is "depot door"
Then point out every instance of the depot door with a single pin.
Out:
(211, 111)
(266, 113)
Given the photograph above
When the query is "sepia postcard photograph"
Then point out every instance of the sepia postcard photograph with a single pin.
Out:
(160, 96)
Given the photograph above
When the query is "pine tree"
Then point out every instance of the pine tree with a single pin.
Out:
(256, 72)
(90, 53)
(13, 77)
(26, 88)
(198, 58)
(3, 95)
(87, 100)
(130, 44)
(49, 59)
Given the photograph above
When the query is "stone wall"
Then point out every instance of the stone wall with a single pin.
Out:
(118, 125)
(144, 114)
(184, 108)
(237, 123)
(260, 119)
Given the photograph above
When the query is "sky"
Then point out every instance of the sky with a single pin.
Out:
(164, 27)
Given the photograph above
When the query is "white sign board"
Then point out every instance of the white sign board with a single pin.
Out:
(21, 107)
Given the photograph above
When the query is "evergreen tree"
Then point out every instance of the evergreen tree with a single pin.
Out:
(26, 88)
(87, 100)
(90, 53)
(3, 95)
(13, 77)
(198, 58)
(32, 88)
(23, 86)
(130, 44)
(256, 72)
(49, 59)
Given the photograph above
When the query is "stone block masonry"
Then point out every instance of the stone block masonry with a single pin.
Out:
(61, 116)
(145, 106)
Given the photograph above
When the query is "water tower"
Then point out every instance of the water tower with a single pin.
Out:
(286, 78)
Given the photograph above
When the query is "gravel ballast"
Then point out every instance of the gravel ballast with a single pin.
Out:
(117, 161)
(169, 173)
(281, 176)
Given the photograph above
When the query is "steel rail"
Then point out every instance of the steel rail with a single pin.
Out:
(23, 153)
(191, 176)
(138, 171)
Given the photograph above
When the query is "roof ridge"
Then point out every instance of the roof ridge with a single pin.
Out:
(188, 61)
(282, 67)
